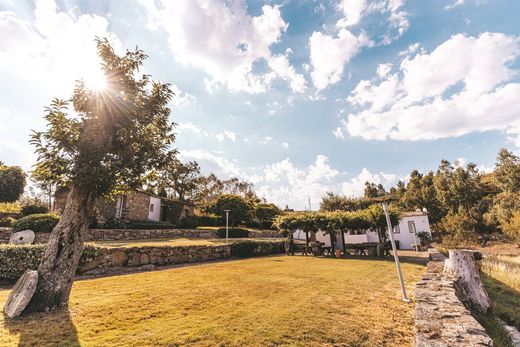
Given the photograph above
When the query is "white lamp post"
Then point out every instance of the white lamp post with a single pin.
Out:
(227, 224)
(394, 248)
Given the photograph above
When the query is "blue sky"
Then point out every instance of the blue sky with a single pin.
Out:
(299, 97)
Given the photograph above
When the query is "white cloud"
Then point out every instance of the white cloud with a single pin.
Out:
(181, 98)
(223, 40)
(187, 127)
(356, 186)
(226, 134)
(454, 4)
(212, 162)
(329, 54)
(338, 133)
(285, 145)
(353, 11)
(464, 85)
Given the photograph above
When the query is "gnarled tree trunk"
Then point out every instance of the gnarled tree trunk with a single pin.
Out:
(60, 260)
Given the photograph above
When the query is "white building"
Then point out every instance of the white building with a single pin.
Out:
(409, 226)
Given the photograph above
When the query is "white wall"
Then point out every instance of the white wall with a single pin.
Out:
(154, 213)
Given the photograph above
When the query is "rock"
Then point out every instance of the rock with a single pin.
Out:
(21, 294)
(22, 237)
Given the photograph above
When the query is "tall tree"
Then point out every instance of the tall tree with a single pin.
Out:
(179, 180)
(507, 172)
(12, 183)
(113, 137)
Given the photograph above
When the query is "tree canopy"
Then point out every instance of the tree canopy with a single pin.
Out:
(12, 183)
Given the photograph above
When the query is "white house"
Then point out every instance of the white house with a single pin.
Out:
(409, 226)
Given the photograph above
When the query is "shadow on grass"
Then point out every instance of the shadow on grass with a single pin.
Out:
(505, 300)
(403, 259)
(44, 329)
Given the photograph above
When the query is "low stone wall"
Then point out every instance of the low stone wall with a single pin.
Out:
(440, 317)
(265, 233)
(142, 256)
(5, 234)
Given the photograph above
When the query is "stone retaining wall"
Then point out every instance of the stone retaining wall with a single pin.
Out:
(138, 234)
(440, 317)
(142, 256)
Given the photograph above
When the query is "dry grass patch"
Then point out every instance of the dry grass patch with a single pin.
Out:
(271, 301)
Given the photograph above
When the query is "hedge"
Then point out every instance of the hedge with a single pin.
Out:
(7, 221)
(16, 259)
(251, 248)
(190, 222)
(147, 225)
(30, 209)
(211, 220)
(43, 223)
(233, 233)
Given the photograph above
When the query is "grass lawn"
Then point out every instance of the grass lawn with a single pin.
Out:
(171, 242)
(269, 301)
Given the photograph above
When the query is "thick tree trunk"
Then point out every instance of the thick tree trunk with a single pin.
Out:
(60, 260)
(462, 263)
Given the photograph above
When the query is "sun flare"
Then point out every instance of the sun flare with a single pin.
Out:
(95, 80)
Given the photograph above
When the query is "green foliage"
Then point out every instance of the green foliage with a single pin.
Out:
(190, 222)
(33, 209)
(240, 210)
(459, 230)
(507, 172)
(177, 179)
(16, 259)
(233, 233)
(424, 238)
(331, 202)
(251, 248)
(114, 223)
(372, 190)
(112, 137)
(211, 220)
(43, 223)
(12, 183)
(149, 225)
(7, 221)
(173, 211)
(266, 213)
(10, 207)
(512, 227)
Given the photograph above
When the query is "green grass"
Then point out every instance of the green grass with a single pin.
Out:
(270, 301)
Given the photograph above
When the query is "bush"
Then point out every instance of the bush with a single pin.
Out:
(7, 221)
(251, 248)
(10, 207)
(211, 220)
(190, 222)
(43, 223)
(113, 223)
(16, 259)
(149, 225)
(233, 233)
(33, 209)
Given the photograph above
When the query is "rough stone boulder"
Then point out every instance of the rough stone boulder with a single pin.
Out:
(22, 237)
(21, 294)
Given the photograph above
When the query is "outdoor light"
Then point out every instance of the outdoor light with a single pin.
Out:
(384, 201)
(227, 224)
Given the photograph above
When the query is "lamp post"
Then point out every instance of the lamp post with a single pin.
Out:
(227, 224)
(383, 200)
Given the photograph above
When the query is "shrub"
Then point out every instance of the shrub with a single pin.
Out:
(148, 225)
(33, 209)
(211, 220)
(16, 259)
(240, 210)
(43, 223)
(10, 207)
(113, 223)
(251, 248)
(190, 222)
(233, 233)
(7, 221)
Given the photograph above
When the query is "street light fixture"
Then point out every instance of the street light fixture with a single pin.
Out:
(227, 224)
(384, 201)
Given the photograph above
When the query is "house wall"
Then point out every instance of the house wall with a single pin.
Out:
(154, 209)
(138, 206)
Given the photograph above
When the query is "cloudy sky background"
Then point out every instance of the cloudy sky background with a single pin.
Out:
(298, 97)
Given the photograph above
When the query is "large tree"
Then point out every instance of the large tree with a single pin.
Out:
(12, 183)
(178, 180)
(100, 141)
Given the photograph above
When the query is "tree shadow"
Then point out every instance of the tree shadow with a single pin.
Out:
(505, 300)
(44, 329)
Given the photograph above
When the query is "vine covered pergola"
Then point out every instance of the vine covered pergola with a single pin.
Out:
(336, 223)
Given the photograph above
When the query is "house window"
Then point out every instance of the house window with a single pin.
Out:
(411, 227)
(151, 207)
(397, 230)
